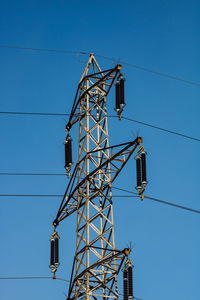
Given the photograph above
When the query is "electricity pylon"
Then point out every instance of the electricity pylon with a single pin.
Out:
(97, 262)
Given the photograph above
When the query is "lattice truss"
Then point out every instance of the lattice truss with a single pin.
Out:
(97, 262)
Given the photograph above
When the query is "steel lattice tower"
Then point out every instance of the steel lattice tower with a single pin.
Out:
(97, 262)
(95, 230)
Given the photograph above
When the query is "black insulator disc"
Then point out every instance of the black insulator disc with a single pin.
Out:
(52, 254)
(68, 126)
(125, 285)
(66, 155)
(56, 250)
(130, 281)
(144, 176)
(68, 152)
(117, 96)
(138, 170)
(121, 83)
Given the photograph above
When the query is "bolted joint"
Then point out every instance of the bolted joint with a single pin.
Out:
(127, 251)
(68, 126)
(55, 223)
(119, 67)
(139, 140)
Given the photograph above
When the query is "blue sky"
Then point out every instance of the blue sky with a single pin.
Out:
(159, 35)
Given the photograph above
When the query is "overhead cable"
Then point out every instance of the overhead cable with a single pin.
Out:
(159, 128)
(114, 196)
(32, 113)
(169, 76)
(109, 116)
(32, 174)
(31, 277)
(173, 204)
(150, 70)
(157, 200)
(44, 49)
(51, 195)
(42, 277)
(30, 195)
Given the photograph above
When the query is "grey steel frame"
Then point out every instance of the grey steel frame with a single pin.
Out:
(97, 262)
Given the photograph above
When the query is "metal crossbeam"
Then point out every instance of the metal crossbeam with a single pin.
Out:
(116, 161)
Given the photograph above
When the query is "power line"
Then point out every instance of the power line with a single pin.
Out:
(158, 200)
(110, 116)
(114, 196)
(166, 130)
(172, 204)
(42, 277)
(33, 174)
(44, 50)
(25, 277)
(52, 196)
(169, 76)
(31, 278)
(32, 113)
(30, 195)
(161, 74)
(151, 71)
(124, 190)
